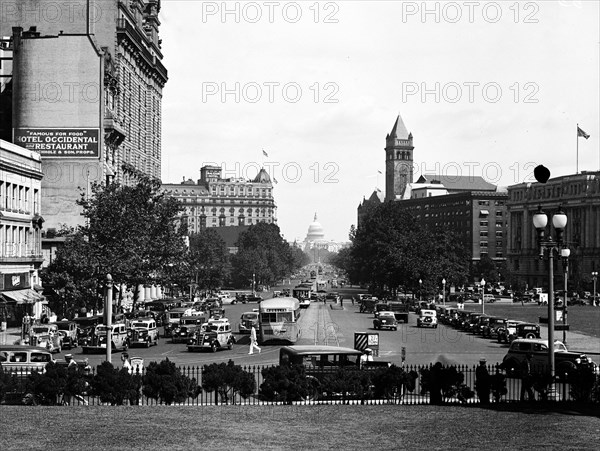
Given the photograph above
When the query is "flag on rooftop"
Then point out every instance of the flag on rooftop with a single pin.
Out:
(379, 172)
(275, 180)
(580, 132)
(265, 153)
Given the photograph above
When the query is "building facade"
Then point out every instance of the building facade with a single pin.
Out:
(477, 217)
(84, 90)
(20, 232)
(579, 197)
(398, 160)
(214, 201)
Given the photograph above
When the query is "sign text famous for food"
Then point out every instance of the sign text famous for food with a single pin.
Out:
(59, 142)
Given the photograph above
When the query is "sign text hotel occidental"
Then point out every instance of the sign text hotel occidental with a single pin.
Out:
(59, 142)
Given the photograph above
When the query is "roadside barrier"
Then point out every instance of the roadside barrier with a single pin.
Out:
(411, 385)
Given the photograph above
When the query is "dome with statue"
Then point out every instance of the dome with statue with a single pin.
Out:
(315, 231)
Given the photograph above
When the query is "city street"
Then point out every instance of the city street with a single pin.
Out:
(335, 325)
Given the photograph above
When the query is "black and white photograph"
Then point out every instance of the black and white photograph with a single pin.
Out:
(299, 224)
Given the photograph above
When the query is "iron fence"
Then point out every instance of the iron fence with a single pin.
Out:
(462, 391)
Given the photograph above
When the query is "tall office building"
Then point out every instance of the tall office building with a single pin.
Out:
(82, 85)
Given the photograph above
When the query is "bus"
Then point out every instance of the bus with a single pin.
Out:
(278, 320)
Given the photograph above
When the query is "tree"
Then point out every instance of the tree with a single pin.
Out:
(208, 259)
(131, 232)
(227, 379)
(166, 383)
(391, 250)
(264, 253)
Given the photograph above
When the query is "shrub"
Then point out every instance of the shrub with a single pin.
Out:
(287, 383)
(164, 382)
(8, 383)
(114, 386)
(348, 383)
(227, 379)
(56, 385)
(392, 382)
(447, 380)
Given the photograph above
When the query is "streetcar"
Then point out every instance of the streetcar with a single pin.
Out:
(278, 320)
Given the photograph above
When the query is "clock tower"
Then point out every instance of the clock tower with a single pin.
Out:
(398, 160)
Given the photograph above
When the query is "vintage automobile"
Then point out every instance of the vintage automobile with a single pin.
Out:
(385, 320)
(96, 342)
(45, 336)
(216, 335)
(247, 321)
(216, 313)
(566, 361)
(69, 333)
(142, 332)
(172, 318)
(527, 330)
(187, 327)
(490, 330)
(506, 333)
(427, 318)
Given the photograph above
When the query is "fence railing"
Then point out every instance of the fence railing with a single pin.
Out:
(463, 390)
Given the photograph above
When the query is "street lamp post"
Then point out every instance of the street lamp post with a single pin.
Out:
(444, 292)
(559, 222)
(108, 313)
(420, 290)
(483, 296)
(594, 278)
(565, 253)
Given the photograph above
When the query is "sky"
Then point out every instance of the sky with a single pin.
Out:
(489, 89)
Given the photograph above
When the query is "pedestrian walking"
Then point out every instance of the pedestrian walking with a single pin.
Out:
(126, 362)
(366, 357)
(527, 379)
(482, 382)
(253, 341)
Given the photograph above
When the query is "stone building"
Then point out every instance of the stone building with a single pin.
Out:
(83, 89)
(20, 233)
(214, 201)
(579, 197)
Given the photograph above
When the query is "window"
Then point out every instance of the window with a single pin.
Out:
(483, 234)
(483, 244)
(483, 223)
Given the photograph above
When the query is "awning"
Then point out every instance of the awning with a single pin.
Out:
(484, 213)
(22, 296)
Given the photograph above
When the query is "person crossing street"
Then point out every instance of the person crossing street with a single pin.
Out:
(253, 341)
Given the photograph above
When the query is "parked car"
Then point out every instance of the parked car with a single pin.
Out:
(217, 335)
(142, 333)
(385, 320)
(427, 318)
(566, 362)
(507, 333)
(490, 330)
(527, 330)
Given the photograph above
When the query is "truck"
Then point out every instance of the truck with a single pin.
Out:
(400, 310)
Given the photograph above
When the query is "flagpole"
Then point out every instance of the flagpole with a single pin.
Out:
(577, 162)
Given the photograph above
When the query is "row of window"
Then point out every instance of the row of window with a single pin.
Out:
(484, 233)
(484, 244)
(486, 203)
(19, 241)
(240, 191)
(19, 198)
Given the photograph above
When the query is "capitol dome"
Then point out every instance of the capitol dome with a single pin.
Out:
(315, 231)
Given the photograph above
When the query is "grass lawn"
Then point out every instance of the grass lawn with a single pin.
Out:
(296, 427)
(581, 319)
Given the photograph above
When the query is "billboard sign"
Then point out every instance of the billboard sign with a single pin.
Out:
(60, 142)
